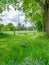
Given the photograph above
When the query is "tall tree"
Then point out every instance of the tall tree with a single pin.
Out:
(45, 7)
(28, 5)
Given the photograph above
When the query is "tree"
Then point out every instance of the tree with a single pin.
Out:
(18, 27)
(23, 27)
(44, 7)
(9, 27)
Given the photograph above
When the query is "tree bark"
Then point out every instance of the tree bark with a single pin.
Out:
(46, 15)
(14, 30)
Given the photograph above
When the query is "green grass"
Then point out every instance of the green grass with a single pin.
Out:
(21, 49)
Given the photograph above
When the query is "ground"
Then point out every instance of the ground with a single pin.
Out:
(24, 49)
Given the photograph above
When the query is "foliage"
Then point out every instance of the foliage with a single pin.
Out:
(9, 27)
(0, 19)
(39, 25)
(32, 10)
(20, 27)
(1, 27)
(4, 3)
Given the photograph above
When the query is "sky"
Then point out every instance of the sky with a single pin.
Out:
(11, 16)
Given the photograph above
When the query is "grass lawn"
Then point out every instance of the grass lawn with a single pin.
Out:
(24, 49)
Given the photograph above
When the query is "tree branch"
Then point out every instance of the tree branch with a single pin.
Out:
(40, 3)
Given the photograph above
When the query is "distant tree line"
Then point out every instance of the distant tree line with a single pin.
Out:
(19, 27)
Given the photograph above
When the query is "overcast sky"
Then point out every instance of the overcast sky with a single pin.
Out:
(11, 16)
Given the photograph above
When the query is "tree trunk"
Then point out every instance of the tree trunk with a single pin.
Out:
(46, 15)
(14, 30)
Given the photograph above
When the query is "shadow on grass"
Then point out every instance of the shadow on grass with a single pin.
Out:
(3, 35)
